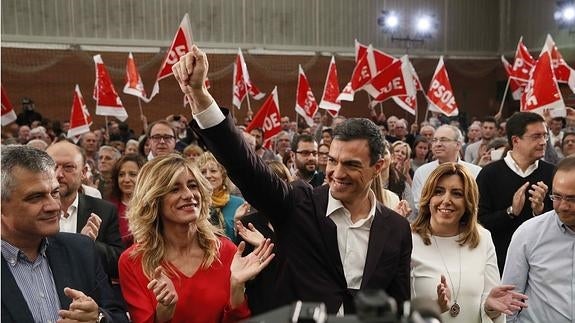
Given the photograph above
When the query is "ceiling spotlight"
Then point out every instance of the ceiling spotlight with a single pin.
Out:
(423, 24)
(391, 21)
(568, 13)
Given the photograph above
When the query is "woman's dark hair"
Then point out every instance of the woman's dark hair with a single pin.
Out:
(116, 193)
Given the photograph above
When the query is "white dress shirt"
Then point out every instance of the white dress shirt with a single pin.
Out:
(70, 223)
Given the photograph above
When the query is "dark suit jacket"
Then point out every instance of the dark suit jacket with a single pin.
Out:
(75, 264)
(108, 243)
(309, 238)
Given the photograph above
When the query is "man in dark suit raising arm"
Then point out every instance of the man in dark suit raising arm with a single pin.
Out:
(337, 238)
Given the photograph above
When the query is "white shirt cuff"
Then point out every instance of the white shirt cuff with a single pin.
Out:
(210, 117)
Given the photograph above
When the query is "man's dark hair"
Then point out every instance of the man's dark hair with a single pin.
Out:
(565, 135)
(300, 138)
(361, 128)
(490, 119)
(26, 157)
(328, 130)
(518, 122)
(260, 130)
(164, 122)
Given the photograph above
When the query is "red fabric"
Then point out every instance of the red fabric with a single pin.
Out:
(203, 297)
(125, 233)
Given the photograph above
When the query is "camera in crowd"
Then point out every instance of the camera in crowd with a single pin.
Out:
(372, 306)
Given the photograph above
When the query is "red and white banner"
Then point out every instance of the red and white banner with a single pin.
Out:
(329, 99)
(382, 59)
(409, 102)
(80, 119)
(563, 72)
(516, 88)
(268, 118)
(440, 94)
(523, 63)
(394, 80)
(242, 82)
(134, 85)
(8, 113)
(181, 45)
(542, 92)
(305, 104)
(108, 102)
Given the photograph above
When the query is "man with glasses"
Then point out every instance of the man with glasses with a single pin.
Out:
(305, 149)
(162, 139)
(514, 189)
(445, 145)
(541, 255)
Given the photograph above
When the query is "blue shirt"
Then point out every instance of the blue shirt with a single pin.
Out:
(541, 264)
(34, 278)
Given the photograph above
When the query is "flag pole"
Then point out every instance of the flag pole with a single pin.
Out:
(107, 131)
(498, 115)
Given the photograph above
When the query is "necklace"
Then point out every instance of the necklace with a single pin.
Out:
(455, 308)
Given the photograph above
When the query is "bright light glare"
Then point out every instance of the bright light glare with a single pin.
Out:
(569, 13)
(391, 21)
(423, 24)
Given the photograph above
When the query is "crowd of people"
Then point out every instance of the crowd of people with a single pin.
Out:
(199, 221)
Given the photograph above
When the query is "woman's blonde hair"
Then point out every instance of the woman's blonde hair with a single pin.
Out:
(469, 232)
(401, 144)
(153, 183)
(208, 157)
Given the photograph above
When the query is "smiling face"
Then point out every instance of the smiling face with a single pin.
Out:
(32, 210)
(127, 177)
(531, 146)
(349, 171)
(182, 204)
(213, 173)
(447, 205)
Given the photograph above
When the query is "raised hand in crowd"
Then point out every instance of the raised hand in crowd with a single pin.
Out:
(163, 288)
(92, 227)
(82, 309)
(537, 197)
(250, 234)
(503, 299)
(246, 268)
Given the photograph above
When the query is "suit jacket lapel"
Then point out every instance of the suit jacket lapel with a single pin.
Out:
(61, 270)
(82, 213)
(378, 235)
(12, 299)
(328, 229)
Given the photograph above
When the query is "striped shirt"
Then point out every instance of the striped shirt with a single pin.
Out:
(34, 278)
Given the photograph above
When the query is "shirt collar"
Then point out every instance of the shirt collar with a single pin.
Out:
(334, 204)
(72, 208)
(515, 167)
(560, 224)
(12, 253)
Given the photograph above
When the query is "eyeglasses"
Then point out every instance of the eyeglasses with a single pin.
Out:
(538, 136)
(68, 168)
(558, 198)
(442, 140)
(166, 138)
(307, 153)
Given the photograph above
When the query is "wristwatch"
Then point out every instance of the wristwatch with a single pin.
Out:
(510, 212)
(101, 317)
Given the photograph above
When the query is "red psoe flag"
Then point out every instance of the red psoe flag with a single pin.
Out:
(305, 104)
(108, 102)
(242, 82)
(440, 94)
(8, 114)
(394, 80)
(329, 99)
(523, 62)
(382, 59)
(80, 119)
(134, 85)
(268, 118)
(409, 102)
(181, 45)
(516, 88)
(563, 72)
(542, 91)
